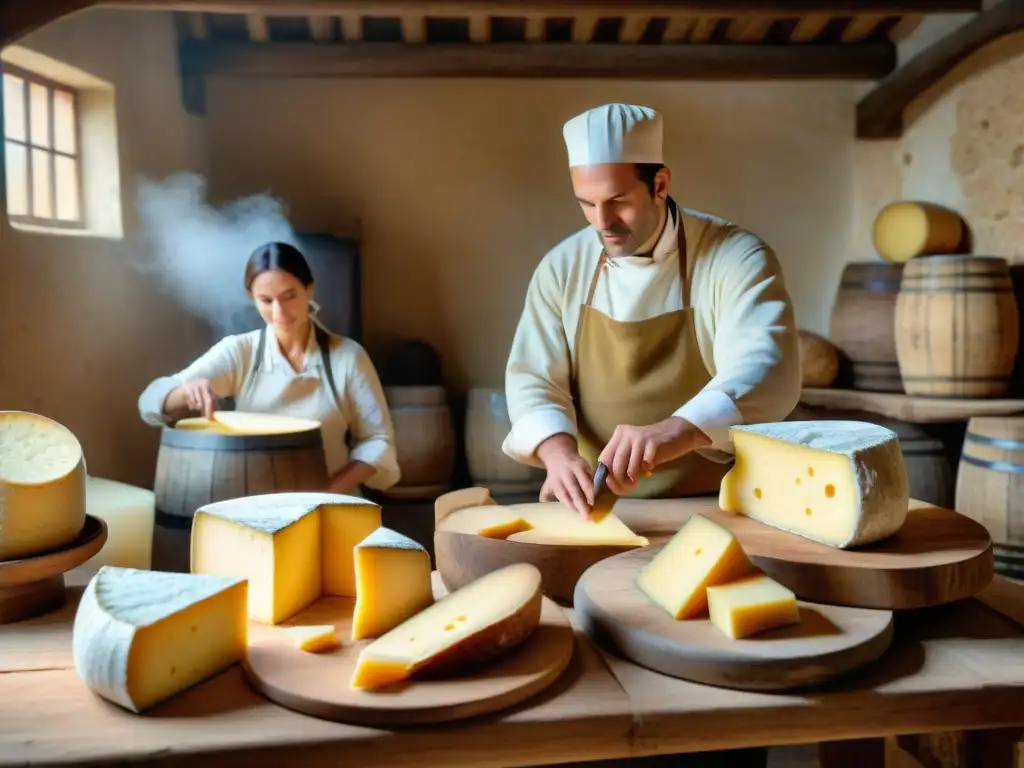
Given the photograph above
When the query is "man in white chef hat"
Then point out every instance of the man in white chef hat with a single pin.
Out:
(647, 334)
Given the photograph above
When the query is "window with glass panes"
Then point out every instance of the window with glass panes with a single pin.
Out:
(41, 150)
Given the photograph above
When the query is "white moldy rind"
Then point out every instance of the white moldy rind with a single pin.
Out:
(115, 604)
(272, 512)
(877, 463)
(386, 538)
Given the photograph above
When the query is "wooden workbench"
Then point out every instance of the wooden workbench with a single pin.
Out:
(952, 668)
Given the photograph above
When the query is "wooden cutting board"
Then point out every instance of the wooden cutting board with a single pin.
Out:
(317, 684)
(829, 641)
(937, 557)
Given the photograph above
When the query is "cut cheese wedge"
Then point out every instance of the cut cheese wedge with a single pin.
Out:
(549, 523)
(392, 582)
(840, 483)
(315, 639)
(464, 630)
(140, 637)
(699, 555)
(42, 485)
(292, 547)
(751, 605)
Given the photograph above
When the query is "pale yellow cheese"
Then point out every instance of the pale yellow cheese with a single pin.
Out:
(699, 555)
(905, 229)
(42, 485)
(315, 639)
(129, 513)
(549, 523)
(140, 637)
(292, 547)
(392, 582)
(840, 483)
(751, 605)
(247, 423)
(464, 630)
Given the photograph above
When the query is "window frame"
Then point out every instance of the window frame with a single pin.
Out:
(29, 78)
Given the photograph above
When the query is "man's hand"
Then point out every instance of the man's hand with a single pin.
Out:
(635, 450)
(570, 478)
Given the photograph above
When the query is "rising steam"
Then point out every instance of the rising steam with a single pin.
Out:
(198, 252)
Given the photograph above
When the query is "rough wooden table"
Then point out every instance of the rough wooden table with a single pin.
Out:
(954, 668)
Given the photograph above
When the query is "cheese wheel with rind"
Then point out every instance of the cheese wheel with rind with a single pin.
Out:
(840, 483)
(140, 637)
(905, 229)
(42, 485)
(463, 630)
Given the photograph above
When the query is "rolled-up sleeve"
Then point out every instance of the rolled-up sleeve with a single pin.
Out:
(537, 375)
(370, 425)
(221, 364)
(756, 353)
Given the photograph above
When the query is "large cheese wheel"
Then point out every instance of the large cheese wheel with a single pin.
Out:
(245, 423)
(904, 230)
(42, 485)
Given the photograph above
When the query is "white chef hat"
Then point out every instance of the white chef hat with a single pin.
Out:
(614, 133)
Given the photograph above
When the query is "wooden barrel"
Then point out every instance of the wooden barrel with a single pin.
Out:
(487, 425)
(905, 229)
(197, 466)
(957, 326)
(424, 441)
(929, 472)
(990, 486)
(862, 324)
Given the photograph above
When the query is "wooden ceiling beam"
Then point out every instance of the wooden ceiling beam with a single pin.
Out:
(880, 112)
(720, 8)
(609, 61)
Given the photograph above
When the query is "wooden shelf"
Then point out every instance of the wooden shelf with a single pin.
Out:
(917, 410)
(880, 112)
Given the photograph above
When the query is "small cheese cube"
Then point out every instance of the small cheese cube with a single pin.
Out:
(392, 582)
(465, 629)
(699, 555)
(315, 639)
(140, 637)
(840, 483)
(750, 605)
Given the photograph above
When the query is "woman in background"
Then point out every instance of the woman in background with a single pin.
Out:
(291, 367)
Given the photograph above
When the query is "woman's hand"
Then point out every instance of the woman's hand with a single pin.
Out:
(199, 396)
(346, 480)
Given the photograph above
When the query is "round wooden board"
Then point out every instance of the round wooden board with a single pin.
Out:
(937, 557)
(317, 684)
(32, 586)
(828, 642)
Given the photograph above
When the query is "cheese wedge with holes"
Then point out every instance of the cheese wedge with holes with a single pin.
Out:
(392, 582)
(541, 523)
(462, 631)
(751, 605)
(840, 483)
(292, 547)
(316, 638)
(42, 485)
(140, 637)
(699, 555)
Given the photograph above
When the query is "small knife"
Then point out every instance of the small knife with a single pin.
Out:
(603, 502)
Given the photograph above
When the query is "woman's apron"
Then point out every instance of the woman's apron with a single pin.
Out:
(639, 373)
(172, 534)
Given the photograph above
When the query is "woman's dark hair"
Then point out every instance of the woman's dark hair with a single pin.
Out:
(281, 256)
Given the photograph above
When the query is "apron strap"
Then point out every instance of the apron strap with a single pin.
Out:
(324, 342)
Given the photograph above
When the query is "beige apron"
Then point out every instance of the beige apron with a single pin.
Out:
(639, 373)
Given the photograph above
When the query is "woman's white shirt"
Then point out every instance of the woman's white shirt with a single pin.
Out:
(276, 388)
